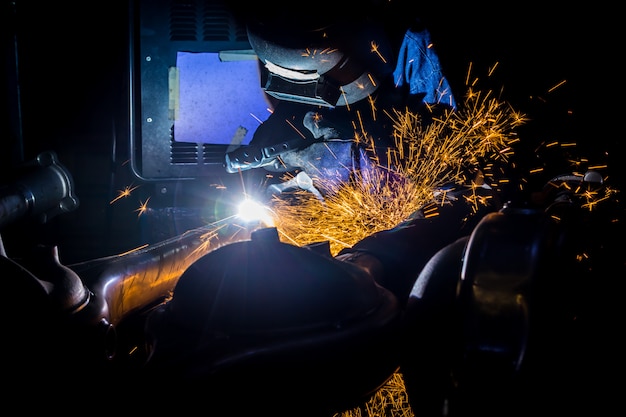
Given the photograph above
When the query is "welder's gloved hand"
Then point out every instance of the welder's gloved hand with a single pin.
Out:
(319, 127)
(331, 163)
(330, 159)
(313, 158)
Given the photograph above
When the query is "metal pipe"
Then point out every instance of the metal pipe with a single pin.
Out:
(145, 277)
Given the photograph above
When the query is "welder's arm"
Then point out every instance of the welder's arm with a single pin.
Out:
(251, 157)
(276, 154)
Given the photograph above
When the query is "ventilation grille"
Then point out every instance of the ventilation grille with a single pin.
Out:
(191, 153)
(183, 153)
(213, 154)
(208, 20)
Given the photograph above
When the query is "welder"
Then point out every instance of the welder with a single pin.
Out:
(334, 80)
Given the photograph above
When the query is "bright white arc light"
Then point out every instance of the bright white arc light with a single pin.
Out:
(251, 211)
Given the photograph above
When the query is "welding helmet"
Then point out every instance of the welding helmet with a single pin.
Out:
(320, 58)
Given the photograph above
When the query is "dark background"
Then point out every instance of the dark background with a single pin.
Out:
(68, 92)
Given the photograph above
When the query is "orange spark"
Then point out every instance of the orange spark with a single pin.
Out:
(377, 52)
(124, 193)
(143, 207)
(295, 128)
(557, 86)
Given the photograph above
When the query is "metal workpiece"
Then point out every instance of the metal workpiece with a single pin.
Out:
(141, 278)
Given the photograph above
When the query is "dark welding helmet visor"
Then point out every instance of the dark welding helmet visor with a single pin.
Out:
(331, 65)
